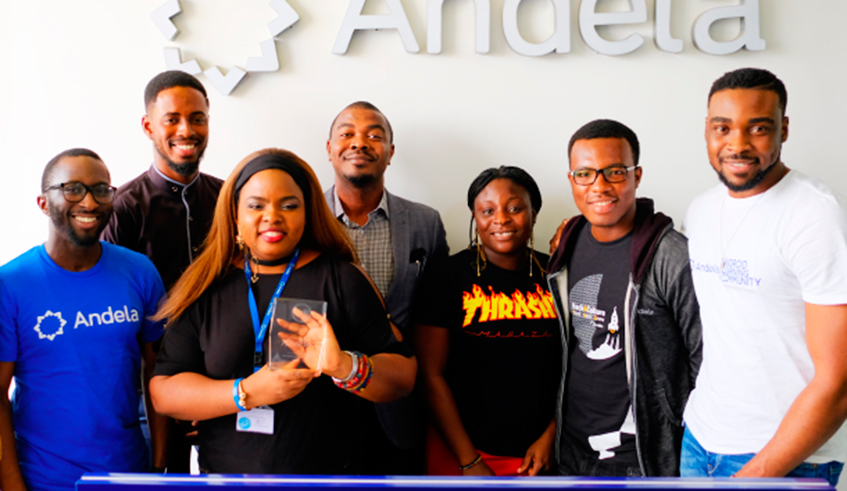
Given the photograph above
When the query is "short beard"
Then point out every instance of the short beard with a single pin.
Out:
(187, 169)
(751, 183)
(361, 181)
(62, 222)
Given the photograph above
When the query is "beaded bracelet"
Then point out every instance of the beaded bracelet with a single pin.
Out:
(473, 463)
(362, 386)
(359, 367)
(357, 382)
(237, 396)
(360, 380)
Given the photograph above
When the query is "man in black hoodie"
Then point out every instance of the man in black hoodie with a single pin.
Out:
(630, 323)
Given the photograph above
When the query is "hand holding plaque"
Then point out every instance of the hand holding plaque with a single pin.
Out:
(297, 334)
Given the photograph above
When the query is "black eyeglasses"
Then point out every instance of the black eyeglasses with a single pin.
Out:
(75, 192)
(612, 174)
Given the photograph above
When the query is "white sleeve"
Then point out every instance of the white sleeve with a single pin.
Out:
(816, 250)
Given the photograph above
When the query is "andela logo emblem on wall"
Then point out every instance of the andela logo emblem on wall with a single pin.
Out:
(225, 84)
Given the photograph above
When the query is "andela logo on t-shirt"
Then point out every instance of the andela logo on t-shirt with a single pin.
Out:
(51, 324)
(499, 306)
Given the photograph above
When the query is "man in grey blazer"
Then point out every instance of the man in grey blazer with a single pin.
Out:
(395, 238)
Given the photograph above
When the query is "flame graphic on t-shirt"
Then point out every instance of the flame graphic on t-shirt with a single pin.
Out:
(499, 306)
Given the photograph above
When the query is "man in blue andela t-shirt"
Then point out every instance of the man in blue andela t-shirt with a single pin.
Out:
(74, 334)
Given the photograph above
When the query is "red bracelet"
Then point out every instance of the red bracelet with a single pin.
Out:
(360, 380)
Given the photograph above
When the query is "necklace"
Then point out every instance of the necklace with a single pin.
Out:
(725, 248)
(273, 262)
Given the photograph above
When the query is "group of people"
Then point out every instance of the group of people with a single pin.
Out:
(631, 350)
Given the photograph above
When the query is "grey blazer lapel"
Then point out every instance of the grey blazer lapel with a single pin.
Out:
(399, 221)
(330, 199)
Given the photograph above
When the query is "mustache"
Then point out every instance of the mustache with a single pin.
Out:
(364, 152)
(739, 156)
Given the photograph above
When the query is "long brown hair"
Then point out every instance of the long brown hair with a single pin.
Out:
(322, 233)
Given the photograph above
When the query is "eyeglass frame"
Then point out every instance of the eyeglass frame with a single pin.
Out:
(597, 173)
(88, 189)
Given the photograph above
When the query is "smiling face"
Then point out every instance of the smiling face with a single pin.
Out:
(79, 223)
(271, 214)
(608, 207)
(745, 130)
(178, 124)
(360, 147)
(504, 219)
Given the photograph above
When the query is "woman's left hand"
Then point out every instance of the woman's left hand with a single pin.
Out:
(314, 342)
(537, 456)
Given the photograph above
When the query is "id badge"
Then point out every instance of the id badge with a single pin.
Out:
(258, 420)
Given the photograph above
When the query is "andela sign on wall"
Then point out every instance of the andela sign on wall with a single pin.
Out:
(747, 11)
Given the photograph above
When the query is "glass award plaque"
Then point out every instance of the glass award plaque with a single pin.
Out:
(290, 338)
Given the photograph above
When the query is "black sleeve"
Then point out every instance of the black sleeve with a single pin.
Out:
(122, 229)
(434, 302)
(180, 351)
(678, 290)
(370, 331)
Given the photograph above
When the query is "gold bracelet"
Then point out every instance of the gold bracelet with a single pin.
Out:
(242, 396)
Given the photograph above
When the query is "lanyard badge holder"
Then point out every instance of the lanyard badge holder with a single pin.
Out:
(261, 329)
(261, 419)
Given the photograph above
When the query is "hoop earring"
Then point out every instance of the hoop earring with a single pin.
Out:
(533, 258)
(481, 261)
(531, 251)
(239, 241)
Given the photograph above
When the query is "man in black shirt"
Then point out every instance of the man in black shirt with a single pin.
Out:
(621, 283)
(166, 212)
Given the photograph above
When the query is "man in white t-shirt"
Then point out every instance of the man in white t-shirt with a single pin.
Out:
(768, 253)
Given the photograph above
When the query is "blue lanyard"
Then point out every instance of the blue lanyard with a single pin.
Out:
(261, 330)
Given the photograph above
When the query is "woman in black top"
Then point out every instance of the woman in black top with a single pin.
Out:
(488, 341)
(271, 221)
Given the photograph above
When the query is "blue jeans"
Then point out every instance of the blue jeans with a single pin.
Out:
(696, 461)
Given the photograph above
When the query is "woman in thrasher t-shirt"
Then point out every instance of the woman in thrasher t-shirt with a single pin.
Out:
(487, 340)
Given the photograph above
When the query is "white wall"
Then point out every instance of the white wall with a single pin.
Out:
(74, 72)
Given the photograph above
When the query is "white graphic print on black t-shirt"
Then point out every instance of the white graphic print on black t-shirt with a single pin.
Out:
(598, 416)
(590, 322)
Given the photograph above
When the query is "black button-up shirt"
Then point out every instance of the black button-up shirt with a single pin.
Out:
(163, 219)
